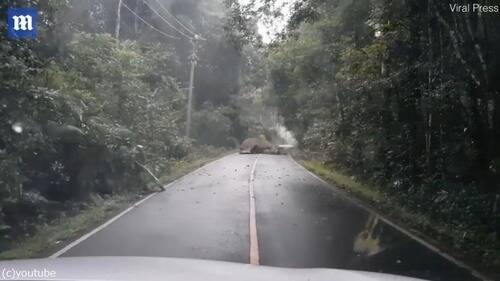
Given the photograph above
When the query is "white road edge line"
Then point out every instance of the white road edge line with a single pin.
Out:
(104, 225)
(399, 228)
(254, 241)
(86, 236)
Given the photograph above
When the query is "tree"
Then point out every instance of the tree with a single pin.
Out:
(401, 93)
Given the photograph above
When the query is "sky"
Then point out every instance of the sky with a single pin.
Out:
(269, 28)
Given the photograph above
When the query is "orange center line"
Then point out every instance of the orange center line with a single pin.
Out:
(254, 242)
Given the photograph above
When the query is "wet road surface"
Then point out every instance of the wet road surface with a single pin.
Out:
(300, 222)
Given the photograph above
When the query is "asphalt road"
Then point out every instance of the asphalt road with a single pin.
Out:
(298, 221)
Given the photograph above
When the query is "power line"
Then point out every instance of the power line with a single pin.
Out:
(148, 24)
(175, 18)
(167, 22)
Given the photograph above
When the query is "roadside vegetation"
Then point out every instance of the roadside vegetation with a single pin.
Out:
(402, 96)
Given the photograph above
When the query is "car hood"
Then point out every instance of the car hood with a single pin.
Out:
(172, 269)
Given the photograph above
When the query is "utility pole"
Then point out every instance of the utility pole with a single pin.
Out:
(192, 59)
(118, 19)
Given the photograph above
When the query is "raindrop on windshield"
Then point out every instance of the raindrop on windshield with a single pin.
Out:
(17, 127)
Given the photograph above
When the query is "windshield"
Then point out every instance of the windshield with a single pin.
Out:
(341, 134)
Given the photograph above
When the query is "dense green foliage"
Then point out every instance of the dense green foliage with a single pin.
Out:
(79, 113)
(404, 94)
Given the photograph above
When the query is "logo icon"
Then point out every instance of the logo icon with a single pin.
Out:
(22, 23)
